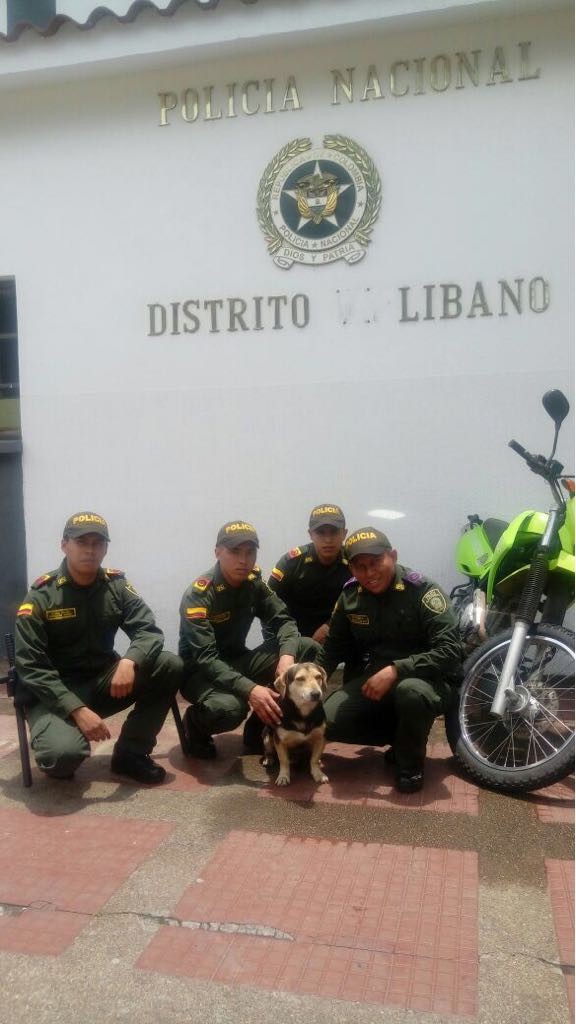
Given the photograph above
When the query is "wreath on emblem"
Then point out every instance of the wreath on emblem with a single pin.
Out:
(327, 229)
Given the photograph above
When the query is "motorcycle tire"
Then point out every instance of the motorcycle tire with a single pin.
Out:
(523, 750)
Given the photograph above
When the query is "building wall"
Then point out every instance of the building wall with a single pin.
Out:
(168, 435)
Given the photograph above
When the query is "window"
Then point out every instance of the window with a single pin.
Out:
(9, 376)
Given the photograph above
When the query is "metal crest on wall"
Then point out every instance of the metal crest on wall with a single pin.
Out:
(317, 205)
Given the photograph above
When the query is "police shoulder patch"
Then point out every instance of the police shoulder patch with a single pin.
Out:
(43, 580)
(114, 574)
(435, 601)
(294, 552)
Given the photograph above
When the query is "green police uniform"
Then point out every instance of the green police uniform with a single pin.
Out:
(308, 588)
(65, 660)
(219, 670)
(411, 626)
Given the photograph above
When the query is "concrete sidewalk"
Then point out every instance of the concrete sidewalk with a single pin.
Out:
(218, 898)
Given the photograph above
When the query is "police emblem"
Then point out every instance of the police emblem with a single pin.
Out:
(434, 600)
(317, 205)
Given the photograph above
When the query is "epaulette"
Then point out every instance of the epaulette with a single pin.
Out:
(256, 573)
(202, 583)
(294, 552)
(350, 582)
(413, 577)
(42, 580)
(115, 573)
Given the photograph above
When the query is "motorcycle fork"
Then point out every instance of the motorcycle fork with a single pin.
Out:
(506, 698)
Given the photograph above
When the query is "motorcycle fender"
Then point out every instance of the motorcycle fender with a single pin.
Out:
(564, 563)
(530, 524)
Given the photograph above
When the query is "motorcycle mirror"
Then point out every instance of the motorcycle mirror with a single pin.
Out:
(556, 405)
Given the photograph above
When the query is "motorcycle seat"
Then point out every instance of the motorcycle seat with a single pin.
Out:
(494, 528)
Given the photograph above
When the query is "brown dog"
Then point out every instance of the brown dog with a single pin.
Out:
(301, 689)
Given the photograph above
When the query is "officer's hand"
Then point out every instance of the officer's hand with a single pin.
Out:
(320, 634)
(378, 685)
(264, 703)
(124, 677)
(284, 663)
(90, 724)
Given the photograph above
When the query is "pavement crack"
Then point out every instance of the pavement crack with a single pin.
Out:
(227, 927)
(566, 968)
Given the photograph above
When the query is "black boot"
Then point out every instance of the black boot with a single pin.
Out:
(252, 736)
(199, 743)
(140, 767)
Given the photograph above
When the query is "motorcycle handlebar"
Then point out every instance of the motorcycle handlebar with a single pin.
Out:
(518, 448)
(547, 468)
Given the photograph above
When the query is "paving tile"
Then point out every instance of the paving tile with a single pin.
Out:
(358, 775)
(64, 869)
(184, 774)
(8, 735)
(561, 888)
(355, 921)
(555, 804)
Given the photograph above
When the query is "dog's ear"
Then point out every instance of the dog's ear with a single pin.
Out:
(324, 679)
(282, 682)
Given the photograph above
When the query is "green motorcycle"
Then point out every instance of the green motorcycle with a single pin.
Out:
(515, 723)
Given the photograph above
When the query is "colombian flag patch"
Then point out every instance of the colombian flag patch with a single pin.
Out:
(25, 609)
(196, 613)
(277, 573)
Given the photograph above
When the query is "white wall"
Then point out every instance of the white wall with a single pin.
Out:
(168, 437)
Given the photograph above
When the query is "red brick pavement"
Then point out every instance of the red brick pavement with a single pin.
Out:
(356, 921)
(64, 868)
(184, 774)
(555, 804)
(561, 888)
(358, 775)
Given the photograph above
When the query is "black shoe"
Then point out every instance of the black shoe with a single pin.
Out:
(199, 744)
(409, 781)
(137, 766)
(252, 736)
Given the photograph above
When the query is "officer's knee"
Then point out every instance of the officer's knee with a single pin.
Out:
(169, 667)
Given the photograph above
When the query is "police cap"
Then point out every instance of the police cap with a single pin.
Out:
(85, 522)
(366, 541)
(236, 532)
(327, 515)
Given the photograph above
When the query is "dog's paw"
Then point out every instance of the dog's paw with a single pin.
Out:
(283, 780)
(318, 775)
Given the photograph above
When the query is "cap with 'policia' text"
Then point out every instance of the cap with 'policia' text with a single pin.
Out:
(327, 515)
(366, 541)
(236, 532)
(85, 522)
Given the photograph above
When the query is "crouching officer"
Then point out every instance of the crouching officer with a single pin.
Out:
(222, 678)
(402, 626)
(70, 677)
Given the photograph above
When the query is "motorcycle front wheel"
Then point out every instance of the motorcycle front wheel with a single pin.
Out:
(531, 747)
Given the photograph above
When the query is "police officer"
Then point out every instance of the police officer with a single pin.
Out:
(310, 578)
(222, 678)
(402, 627)
(70, 677)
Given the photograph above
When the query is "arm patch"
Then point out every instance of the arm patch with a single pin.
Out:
(435, 601)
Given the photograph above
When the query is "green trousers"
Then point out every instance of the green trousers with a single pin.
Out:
(59, 746)
(220, 710)
(403, 718)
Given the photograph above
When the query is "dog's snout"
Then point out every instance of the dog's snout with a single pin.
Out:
(315, 695)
